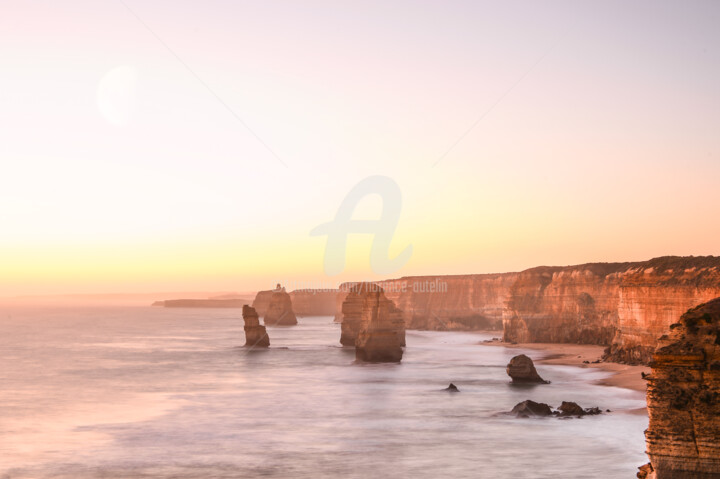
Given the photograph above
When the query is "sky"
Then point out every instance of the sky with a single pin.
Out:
(176, 146)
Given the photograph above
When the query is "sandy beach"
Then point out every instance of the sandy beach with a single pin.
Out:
(623, 376)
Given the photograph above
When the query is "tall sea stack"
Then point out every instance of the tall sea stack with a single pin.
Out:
(352, 312)
(279, 311)
(683, 438)
(352, 308)
(379, 339)
(255, 334)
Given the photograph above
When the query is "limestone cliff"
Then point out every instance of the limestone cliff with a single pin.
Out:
(653, 296)
(313, 302)
(683, 437)
(575, 304)
(624, 305)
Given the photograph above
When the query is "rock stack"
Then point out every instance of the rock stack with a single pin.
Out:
(354, 317)
(522, 370)
(255, 334)
(352, 308)
(396, 316)
(683, 395)
(279, 310)
(379, 340)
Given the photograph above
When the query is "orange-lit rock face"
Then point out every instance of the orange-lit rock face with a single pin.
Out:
(563, 305)
(683, 437)
(652, 298)
(625, 305)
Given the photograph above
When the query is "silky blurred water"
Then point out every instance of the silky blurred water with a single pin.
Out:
(136, 392)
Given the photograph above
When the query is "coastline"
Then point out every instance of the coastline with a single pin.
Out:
(624, 376)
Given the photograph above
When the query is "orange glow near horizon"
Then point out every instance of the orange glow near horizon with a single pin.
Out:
(123, 173)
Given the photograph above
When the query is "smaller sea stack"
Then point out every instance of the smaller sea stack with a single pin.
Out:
(522, 370)
(279, 311)
(255, 334)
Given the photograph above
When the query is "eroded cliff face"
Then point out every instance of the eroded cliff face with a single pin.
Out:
(311, 302)
(653, 296)
(576, 304)
(683, 437)
(624, 305)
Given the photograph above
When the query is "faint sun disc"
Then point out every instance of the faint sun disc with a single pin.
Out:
(116, 94)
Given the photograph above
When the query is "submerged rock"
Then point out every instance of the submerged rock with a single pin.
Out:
(452, 388)
(568, 409)
(522, 370)
(530, 408)
(255, 334)
(683, 396)
(279, 311)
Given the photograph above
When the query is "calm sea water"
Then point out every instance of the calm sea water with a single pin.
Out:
(136, 392)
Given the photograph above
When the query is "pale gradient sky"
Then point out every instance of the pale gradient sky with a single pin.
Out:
(606, 150)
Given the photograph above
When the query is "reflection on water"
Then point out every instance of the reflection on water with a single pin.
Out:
(152, 392)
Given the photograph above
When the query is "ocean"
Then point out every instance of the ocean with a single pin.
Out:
(150, 392)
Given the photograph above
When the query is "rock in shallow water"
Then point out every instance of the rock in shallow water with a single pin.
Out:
(568, 409)
(529, 408)
(522, 370)
(452, 388)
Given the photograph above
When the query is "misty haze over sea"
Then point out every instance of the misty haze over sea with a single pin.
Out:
(121, 392)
